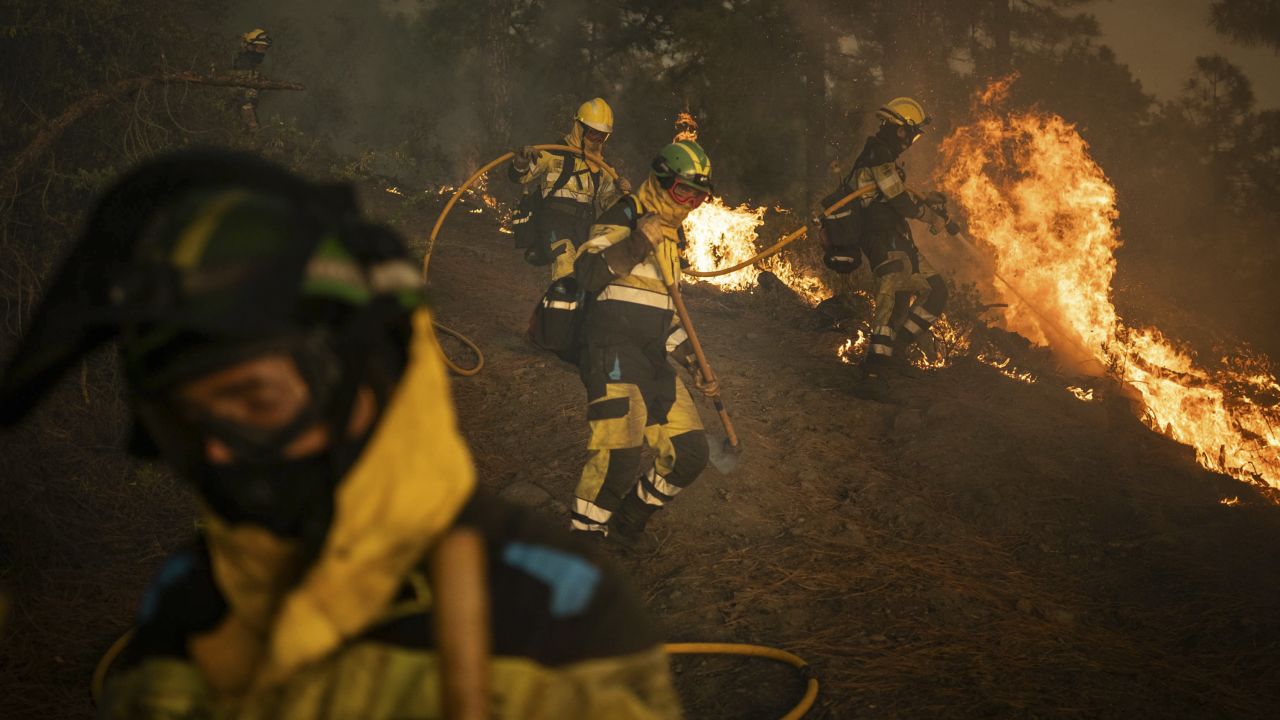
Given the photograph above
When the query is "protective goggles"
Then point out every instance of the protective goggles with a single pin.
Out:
(686, 194)
(592, 134)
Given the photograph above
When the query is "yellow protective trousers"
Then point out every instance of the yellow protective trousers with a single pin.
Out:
(632, 401)
(910, 295)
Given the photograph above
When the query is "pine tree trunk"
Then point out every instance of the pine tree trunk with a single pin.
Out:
(815, 86)
(497, 71)
(1001, 29)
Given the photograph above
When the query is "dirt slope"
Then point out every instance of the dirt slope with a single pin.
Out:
(989, 548)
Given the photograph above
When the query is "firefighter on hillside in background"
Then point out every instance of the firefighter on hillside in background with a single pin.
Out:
(630, 328)
(253, 50)
(572, 190)
(910, 294)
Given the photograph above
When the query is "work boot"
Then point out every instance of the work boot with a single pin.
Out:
(593, 538)
(873, 384)
(627, 528)
(901, 358)
(903, 367)
(631, 541)
(928, 345)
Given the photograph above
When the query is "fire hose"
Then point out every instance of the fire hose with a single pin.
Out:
(806, 702)
(457, 194)
(953, 229)
(448, 206)
(786, 240)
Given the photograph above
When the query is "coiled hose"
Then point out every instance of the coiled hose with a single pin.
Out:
(806, 701)
(760, 651)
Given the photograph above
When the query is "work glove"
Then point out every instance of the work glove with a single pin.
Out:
(624, 185)
(937, 202)
(935, 220)
(525, 156)
(649, 226)
(710, 389)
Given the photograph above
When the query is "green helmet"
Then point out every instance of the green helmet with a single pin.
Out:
(686, 161)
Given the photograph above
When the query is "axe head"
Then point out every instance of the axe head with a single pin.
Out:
(724, 455)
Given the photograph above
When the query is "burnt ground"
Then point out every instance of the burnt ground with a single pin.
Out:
(988, 548)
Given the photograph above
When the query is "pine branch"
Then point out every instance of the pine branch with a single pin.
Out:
(53, 130)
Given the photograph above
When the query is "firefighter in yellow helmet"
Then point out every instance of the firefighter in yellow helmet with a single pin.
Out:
(566, 192)
(910, 294)
(629, 330)
(278, 356)
(253, 49)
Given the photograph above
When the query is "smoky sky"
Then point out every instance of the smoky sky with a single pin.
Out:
(377, 79)
(1160, 39)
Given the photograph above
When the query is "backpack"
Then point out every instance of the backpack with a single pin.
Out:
(524, 221)
(840, 232)
(557, 319)
(556, 323)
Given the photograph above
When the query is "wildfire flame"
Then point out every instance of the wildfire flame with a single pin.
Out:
(720, 236)
(853, 349)
(1046, 211)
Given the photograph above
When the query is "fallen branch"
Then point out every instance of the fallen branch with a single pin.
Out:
(52, 131)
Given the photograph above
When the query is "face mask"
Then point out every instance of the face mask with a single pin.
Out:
(290, 498)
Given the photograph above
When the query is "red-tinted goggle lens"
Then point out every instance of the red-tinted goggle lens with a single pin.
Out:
(688, 194)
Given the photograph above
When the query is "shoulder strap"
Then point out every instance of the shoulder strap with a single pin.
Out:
(566, 172)
(633, 211)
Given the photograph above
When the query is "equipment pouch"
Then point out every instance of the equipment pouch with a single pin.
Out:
(839, 233)
(528, 231)
(556, 323)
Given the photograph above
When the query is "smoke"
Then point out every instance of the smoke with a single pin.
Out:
(431, 88)
(378, 77)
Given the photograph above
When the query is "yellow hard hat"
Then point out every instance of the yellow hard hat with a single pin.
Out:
(903, 111)
(256, 36)
(596, 114)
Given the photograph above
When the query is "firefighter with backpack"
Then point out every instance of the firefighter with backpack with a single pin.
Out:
(910, 294)
(565, 192)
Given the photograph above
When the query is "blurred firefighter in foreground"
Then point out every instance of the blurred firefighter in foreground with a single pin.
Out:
(910, 294)
(253, 50)
(629, 329)
(278, 355)
(569, 191)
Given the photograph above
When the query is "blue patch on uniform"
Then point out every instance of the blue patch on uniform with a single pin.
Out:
(616, 373)
(626, 210)
(173, 570)
(572, 579)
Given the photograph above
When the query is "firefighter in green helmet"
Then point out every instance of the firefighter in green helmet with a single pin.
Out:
(630, 330)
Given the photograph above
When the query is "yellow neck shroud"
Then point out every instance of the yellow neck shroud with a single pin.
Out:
(404, 491)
